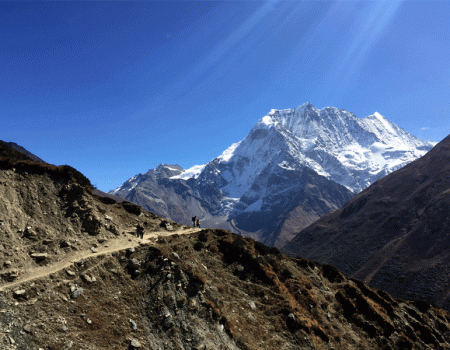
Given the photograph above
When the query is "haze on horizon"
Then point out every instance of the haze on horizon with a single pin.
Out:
(115, 88)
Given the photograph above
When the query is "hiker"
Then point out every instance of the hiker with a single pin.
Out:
(193, 220)
(140, 231)
(198, 223)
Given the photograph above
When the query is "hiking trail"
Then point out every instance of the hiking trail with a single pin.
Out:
(109, 246)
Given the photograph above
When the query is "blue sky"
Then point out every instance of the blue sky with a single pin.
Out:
(116, 88)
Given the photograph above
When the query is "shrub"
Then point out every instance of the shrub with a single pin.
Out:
(132, 208)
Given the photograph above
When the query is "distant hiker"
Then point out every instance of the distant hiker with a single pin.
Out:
(140, 231)
(193, 220)
(198, 223)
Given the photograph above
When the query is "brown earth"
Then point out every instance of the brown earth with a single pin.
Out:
(75, 276)
(394, 235)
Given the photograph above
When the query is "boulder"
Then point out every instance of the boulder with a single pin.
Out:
(92, 225)
(76, 293)
(88, 279)
(135, 344)
(39, 256)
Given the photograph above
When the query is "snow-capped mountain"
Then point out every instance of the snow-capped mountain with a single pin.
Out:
(333, 142)
(254, 185)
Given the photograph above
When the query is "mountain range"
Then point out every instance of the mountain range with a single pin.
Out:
(294, 166)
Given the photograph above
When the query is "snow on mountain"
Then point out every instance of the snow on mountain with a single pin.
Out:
(161, 171)
(333, 142)
(191, 173)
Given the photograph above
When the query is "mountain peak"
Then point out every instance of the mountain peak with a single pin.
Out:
(306, 105)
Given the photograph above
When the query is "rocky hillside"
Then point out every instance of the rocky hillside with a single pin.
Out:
(395, 235)
(73, 275)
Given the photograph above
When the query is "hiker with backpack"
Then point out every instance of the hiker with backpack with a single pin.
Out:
(193, 220)
(140, 231)
(198, 223)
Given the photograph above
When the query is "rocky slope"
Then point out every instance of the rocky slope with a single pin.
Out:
(395, 234)
(9, 146)
(294, 166)
(74, 276)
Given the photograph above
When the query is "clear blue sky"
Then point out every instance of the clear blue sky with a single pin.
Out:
(116, 88)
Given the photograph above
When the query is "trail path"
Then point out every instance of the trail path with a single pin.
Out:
(109, 246)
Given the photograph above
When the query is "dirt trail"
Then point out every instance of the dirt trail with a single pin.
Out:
(109, 246)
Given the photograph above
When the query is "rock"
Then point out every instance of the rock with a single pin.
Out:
(135, 344)
(93, 250)
(20, 293)
(76, 293)
(7, 263)
(169, 227)
(88, 279)
(39, 256)
(131, 250)
(102, 240)
(29, 232)
(27, 329)
(240, 268)
(176, 256)
(13, 275)
(65, 244)
(70, 273)
(199, 347)
(135, 263)
(133, 325)
(113, 229)
(252, 305)
(92, 225)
